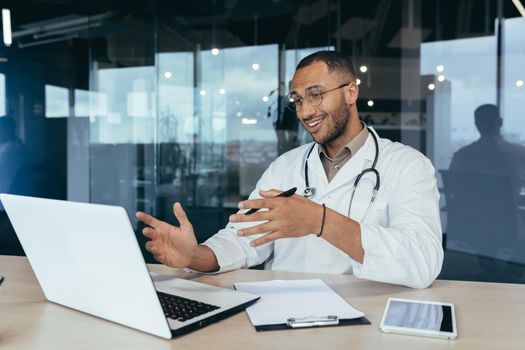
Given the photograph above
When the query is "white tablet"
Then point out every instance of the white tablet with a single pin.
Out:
(416, 317)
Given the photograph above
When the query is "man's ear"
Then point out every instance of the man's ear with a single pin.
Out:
(351, 93)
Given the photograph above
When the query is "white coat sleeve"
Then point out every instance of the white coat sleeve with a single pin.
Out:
(409, 250)
(234, 252)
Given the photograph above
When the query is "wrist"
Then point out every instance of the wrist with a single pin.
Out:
(321, 221)
(204, 259)
(192, 256)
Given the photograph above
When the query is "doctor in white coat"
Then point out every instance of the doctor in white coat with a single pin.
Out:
(387, 228)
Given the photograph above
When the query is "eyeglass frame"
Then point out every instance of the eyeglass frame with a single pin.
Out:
(292, 105)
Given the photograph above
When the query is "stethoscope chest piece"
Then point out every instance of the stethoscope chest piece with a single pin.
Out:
(308, 192)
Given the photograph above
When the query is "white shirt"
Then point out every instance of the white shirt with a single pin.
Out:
(400, 232)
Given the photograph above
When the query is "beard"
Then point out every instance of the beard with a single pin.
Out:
(340, 119)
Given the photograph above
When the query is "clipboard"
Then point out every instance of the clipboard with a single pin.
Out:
(301, 300)
(324, 322)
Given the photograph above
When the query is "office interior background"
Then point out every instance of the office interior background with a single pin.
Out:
(143, 103)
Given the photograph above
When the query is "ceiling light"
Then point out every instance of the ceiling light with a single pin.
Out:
(519, 7)
(222, 91)
(441, 77)
(249, 121)
(167, 75)
(265, 98)
(358, 81)
(6, 26)
(215, 51)
(440, 68)
(202, 92)
(256, 66)
(370, 103)
(431, 86)
(239, 114)
(363, 69)
(519, 83)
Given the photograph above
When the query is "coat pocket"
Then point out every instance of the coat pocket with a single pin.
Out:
(375, 212)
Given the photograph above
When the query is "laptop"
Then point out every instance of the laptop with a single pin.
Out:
(86, 257)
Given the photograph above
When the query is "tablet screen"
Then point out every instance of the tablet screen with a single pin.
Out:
(433, 317)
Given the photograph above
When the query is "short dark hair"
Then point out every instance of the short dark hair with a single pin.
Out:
(486, 112)
(333, 60)
(487, 119)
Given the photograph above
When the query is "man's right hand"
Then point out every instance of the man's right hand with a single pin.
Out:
(170, 245)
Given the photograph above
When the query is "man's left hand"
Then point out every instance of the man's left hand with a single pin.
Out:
(294, 216)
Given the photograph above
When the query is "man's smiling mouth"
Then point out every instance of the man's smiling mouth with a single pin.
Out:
(314, 123)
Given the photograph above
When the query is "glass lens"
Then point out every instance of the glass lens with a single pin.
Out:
(289, 103)
(315, 97)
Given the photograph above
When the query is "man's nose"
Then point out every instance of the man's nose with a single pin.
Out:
(306, 111)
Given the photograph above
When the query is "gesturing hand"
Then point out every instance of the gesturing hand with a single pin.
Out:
(170, 245)
(295, 216)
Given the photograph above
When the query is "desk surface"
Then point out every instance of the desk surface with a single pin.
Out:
(27, 321)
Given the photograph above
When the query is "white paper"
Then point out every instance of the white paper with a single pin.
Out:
(281, 300)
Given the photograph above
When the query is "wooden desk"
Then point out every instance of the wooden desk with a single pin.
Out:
(27, 321)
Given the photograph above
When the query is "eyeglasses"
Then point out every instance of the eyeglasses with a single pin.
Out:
(314, 97)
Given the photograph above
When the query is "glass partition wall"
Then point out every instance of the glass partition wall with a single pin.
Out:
(144, 104)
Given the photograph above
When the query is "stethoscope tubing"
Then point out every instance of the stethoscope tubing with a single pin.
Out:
(310, 191)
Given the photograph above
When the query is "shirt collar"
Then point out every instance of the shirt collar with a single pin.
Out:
(352, 146)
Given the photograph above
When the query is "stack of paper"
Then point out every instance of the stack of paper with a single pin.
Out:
(282, 300)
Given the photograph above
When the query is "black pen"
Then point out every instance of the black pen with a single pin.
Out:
(288, 193)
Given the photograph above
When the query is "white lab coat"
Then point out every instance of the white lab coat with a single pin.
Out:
(400, 233)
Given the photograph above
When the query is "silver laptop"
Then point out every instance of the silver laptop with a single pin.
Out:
(86, 257)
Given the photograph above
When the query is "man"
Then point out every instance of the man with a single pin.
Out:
(395, 238)
(483, 190)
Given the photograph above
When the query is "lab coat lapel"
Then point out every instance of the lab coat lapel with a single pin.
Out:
(361, 160)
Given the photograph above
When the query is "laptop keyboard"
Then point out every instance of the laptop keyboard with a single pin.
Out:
(182, 309)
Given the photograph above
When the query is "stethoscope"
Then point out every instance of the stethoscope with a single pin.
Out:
(310, 191)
